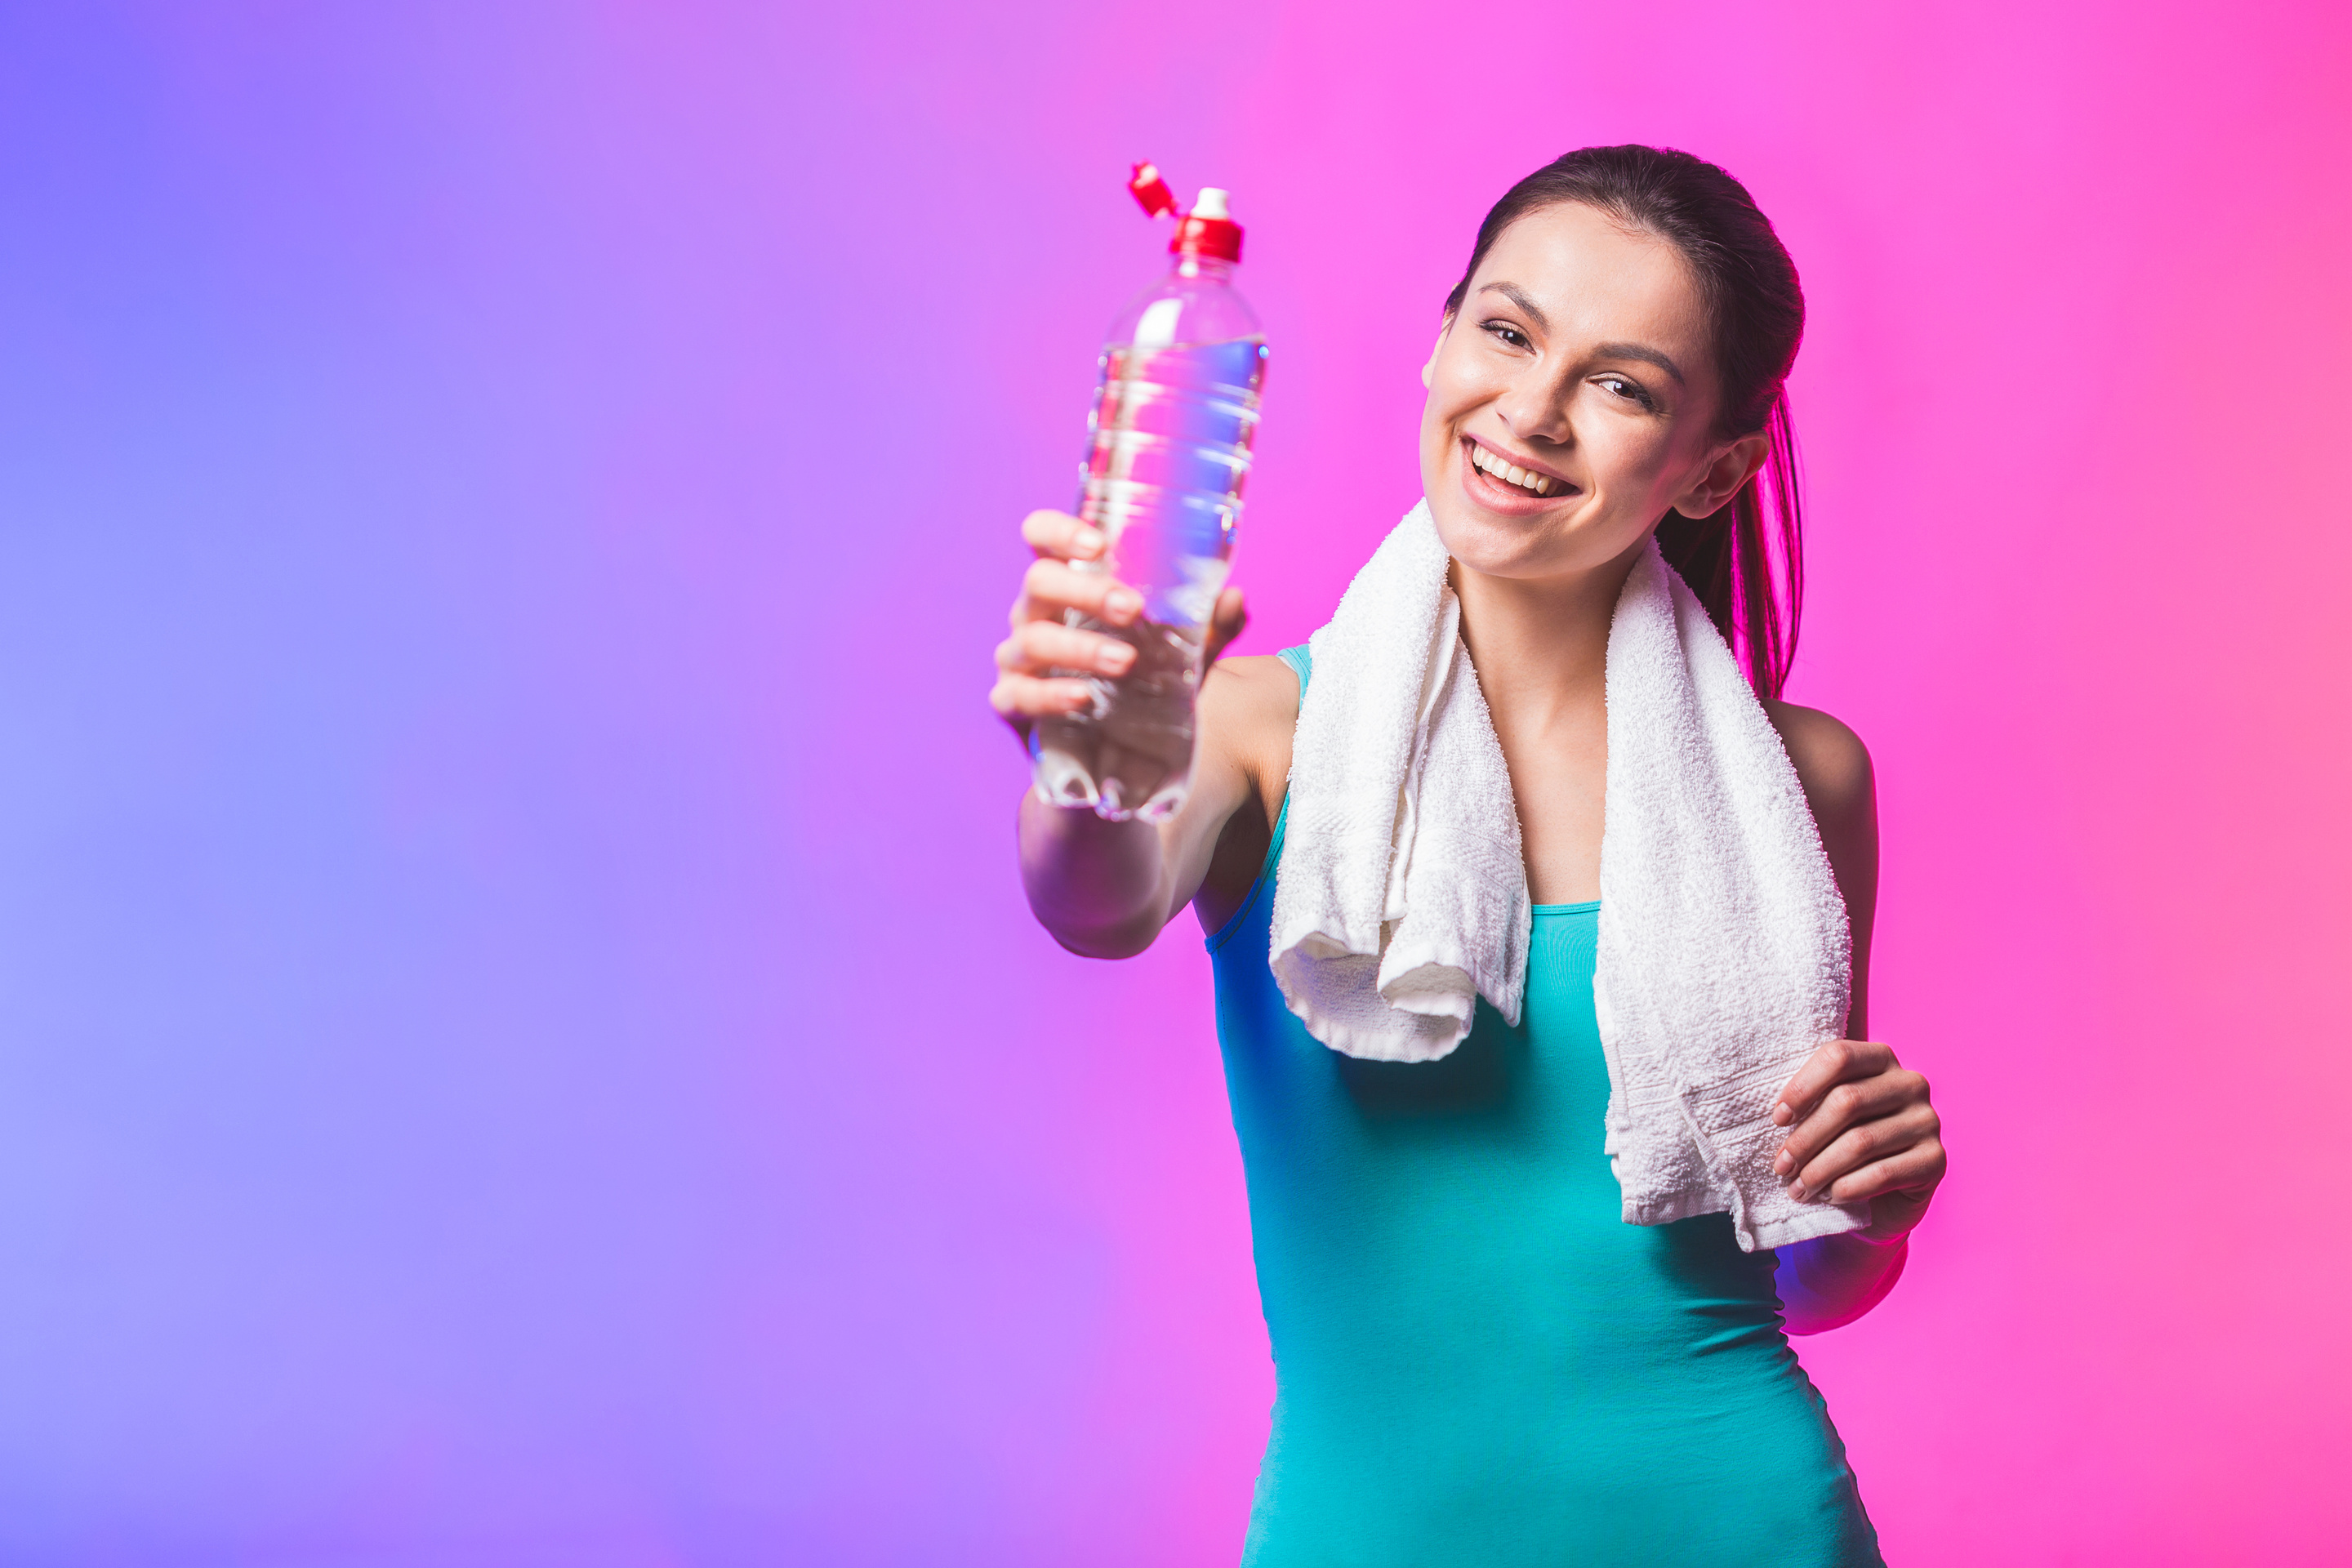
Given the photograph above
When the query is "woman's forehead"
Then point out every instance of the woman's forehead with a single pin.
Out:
(1589, 274)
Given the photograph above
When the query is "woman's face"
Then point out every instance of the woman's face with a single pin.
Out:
(1580, 356)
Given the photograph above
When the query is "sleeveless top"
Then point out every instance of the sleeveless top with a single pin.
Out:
(1477, 1360)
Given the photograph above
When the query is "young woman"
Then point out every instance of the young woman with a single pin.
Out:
(1478, 1360)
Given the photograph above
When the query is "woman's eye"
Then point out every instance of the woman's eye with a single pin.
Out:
(1508, 333)
(1632, 391)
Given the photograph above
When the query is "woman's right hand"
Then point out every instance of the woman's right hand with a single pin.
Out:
(1104, 888)
(1041, 639)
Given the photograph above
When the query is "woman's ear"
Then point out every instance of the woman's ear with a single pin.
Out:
(1721, 480)
(1429, 371)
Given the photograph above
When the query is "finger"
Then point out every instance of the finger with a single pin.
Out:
(1019, 697)
(1914, 1171)
(1834, 1063)
(1225, 622)
(1864, 1143)
(1844, 1106)
(1036, 647)
(1050, 587)
(1059, 535)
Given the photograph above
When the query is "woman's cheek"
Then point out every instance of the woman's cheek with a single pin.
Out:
(1636, 464)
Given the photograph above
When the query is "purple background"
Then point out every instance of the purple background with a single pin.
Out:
(518, 1039)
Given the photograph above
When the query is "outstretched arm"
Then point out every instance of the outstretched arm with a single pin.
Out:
(1860, 1124)
(1105, 888)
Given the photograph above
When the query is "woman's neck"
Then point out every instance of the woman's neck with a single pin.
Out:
(1541, 645)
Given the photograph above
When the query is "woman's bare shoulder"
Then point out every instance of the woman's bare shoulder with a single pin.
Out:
(1833, 768)
(1252, 686)
(1830, 761)
(1257, 694)
(1249, 704)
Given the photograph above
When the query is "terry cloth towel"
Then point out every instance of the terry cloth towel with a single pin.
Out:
(1723, 955)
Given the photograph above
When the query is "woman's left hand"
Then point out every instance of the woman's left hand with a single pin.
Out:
(1860, 1128)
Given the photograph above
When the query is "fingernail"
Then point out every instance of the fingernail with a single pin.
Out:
(1781, 1114)
(1797, 1191)
(1783, 1165)
(1122, 602)
(1115, 658)
(1089, 540)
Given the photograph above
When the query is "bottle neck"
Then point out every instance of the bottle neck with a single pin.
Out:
(1192, 264)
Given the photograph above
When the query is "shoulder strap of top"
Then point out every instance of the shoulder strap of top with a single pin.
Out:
(1301, 660)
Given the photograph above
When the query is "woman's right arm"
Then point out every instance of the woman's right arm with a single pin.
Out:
(1105, 888)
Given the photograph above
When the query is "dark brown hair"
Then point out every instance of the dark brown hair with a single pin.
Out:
(1756, 313)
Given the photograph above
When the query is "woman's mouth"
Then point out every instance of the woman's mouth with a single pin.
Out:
(1504, 472)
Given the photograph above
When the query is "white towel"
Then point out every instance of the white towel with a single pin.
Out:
(1724, 957)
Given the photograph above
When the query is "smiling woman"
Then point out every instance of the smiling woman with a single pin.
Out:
(1542, 1010)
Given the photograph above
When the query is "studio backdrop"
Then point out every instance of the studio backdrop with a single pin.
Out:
(521, 1042)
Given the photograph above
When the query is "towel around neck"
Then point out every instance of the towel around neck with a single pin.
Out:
(1724, 954)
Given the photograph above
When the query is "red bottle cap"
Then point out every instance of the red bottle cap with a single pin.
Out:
(1206, 230)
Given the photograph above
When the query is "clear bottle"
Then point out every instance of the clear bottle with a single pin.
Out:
(1167, 450)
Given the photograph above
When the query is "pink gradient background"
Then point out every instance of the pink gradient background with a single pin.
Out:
(518, 1039)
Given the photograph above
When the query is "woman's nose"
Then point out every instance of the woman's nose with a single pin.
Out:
(1534, 409)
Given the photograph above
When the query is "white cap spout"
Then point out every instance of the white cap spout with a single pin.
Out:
(1212, 205)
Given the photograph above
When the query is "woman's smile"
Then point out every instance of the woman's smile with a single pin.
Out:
(1508, 481)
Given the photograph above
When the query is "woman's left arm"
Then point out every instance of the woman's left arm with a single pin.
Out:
(1860, 1124)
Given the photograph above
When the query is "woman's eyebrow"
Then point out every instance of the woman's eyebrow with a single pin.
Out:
(1635, 351)
(1518, 296)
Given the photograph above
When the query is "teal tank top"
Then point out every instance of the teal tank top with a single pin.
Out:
(1477, 1362)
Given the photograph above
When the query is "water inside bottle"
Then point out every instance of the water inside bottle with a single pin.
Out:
(1170, 449)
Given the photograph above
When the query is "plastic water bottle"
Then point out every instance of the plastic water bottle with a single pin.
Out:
(1168, 449)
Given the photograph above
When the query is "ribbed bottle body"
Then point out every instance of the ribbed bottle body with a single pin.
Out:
(1168, 452)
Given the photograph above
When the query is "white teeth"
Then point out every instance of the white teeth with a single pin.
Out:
(1511, 473)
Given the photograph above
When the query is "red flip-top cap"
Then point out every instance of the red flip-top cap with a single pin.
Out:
(1206, 230)
(1150, 190)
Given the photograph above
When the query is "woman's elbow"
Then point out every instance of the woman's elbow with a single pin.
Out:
(1124, 942)
(1833, 1281)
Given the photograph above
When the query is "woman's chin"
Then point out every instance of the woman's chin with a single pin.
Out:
(1496, 546)
(1554, 543)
